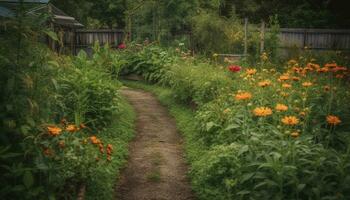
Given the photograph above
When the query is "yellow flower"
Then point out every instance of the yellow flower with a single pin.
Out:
(281, 107)
(54, 131)
(290, 120)
(307, 84)
(251, 71)
(333, 120)
(243, 96)
(262, 111)
(264, 83)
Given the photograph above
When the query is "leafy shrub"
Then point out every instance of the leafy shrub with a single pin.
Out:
(87, 93)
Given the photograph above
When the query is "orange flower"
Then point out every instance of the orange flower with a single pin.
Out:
(333, 120)
(95, 140)
(262, 111)
(109, 149)
(286, 85)
(264, 83)
(295, 78)
(281, 107)
(307, 84)
(323, 69)
(330, 65)
(54, 130)
(302, 113)
(290, 120)
(72, 128)
(100, 146)
(283, 77)
(243, 96)
(294, 134)
(250, 71)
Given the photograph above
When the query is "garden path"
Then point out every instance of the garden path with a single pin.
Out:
(156, 169)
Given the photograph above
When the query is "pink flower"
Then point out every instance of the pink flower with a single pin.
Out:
(234, 68)
(122, 46)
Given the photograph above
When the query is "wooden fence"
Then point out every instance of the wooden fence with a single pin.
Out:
(290, 38)
(317, 39)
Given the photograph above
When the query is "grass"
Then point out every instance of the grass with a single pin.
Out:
(121, 131)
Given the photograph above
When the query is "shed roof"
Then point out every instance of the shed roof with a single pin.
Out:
(25, 1)
(8, 9)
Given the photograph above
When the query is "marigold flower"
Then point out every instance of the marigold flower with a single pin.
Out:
(109, 149)
(72, 128)
(284, 77)
(95, 140)
(251, 71)
(100, 146)
(54, 130)
(294, 134)
(286, 85)
(243, 96)
(281, 107)
(323, 69)
(262, 111)
(307, 84)
(295, 78)
(330, 65)
(333, 120)
(290, 120)
(264, 83)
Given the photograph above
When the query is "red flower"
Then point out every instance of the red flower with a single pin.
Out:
(234, 68)
(122, 46)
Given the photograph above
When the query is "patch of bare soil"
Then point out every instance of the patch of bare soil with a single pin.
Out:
(156, 169)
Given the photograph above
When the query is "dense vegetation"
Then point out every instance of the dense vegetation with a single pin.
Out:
(258, 132)
(64, 126)
(175, 16)
(257, 128)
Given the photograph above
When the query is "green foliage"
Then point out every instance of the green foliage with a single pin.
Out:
(236, 155)
(87, 94)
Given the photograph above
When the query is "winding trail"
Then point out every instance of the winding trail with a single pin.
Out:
(156, 169)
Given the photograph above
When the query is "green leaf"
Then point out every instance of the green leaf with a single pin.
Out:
(51, 34)
(28, 179)
(210, 125)
(232, 126)
(53, 63)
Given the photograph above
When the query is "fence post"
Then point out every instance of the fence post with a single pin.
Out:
(262, 37)
(245, 36)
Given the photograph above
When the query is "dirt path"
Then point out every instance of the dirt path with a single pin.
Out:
(156, 169)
